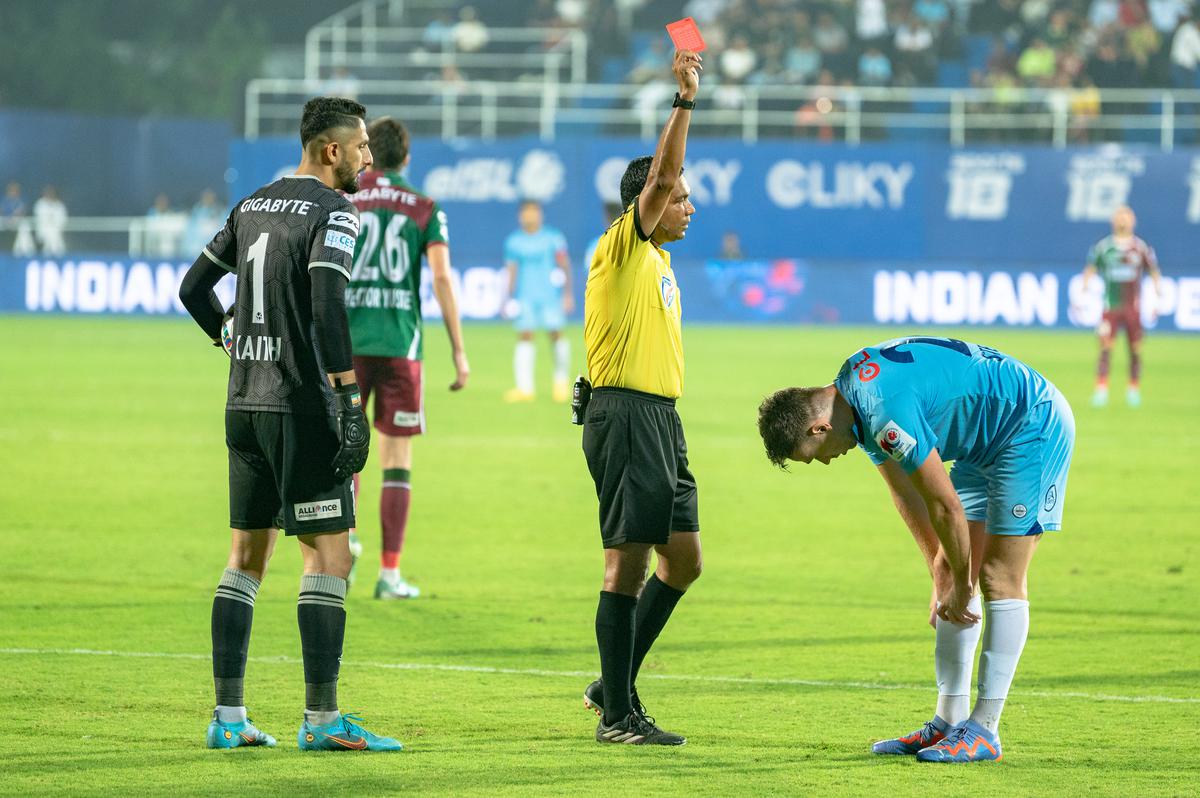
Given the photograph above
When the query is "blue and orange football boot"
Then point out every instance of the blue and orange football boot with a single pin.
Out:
(237, 734)
(932, 733)
(966, 742)
(342, 735)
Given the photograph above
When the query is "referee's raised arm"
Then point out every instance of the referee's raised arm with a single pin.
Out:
(672, 144)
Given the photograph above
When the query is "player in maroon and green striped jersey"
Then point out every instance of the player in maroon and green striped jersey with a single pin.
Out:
(383, 302)
(1121, 260)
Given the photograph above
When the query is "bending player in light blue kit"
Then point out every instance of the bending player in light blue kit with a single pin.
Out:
(913, 404)
(539, 287)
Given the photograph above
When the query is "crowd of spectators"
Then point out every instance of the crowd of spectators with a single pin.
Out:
(1033, 43)
(1026, 43)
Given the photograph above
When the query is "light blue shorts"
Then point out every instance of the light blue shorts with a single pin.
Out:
(541, 312)
(1023, 491)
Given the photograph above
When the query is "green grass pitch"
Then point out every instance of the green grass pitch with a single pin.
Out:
(804, 641)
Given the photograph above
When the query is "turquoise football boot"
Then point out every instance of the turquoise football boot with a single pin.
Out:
(966, 742)
(236, 735)
(342, 735)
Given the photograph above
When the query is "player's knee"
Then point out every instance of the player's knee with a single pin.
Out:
(624, 582)
(997, 581)
(681, 575)
(625, 575)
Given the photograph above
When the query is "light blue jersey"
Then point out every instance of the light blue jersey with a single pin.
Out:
(536, 257)
(539, 280)
(1008, 429)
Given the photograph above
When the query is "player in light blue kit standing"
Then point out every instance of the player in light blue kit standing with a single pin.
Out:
(539, 289)
(913, 404)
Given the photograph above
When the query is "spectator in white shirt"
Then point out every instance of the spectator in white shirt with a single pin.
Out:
(50, 222)
(871, 21)
(1185, 54)
(470, 34)
(738, 61)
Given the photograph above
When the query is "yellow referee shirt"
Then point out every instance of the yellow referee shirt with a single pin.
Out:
(631, 318)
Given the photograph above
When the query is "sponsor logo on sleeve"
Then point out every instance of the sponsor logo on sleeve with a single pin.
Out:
(315, 511)
(340, 241)
(894, 441)
(344, 219)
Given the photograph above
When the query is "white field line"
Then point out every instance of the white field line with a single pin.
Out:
(487, 669)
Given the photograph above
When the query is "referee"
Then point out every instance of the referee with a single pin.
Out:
(632, 436)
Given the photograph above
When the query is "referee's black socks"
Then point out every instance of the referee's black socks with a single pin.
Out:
(321, 613)
(614, 635)
(654, 608)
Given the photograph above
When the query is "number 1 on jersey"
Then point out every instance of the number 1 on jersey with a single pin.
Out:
(258, 259)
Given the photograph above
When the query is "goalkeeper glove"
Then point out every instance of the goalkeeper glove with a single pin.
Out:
(353, 434)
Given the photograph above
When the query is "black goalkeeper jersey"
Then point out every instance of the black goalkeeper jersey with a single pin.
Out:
(271, 241)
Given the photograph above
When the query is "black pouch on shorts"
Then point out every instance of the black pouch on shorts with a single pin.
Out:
(581, 394)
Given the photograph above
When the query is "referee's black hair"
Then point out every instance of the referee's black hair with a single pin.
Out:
(783, 419)
(389, 143)
(325, 113)
(634, 179)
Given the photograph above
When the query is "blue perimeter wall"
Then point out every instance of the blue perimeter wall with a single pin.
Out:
(916, 234)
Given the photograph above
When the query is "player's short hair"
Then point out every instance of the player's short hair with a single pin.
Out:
(527, 202)
(783, 418)
(634, 179)
(389, 142)
(325, 113)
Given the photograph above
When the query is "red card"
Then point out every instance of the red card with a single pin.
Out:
(686, 36)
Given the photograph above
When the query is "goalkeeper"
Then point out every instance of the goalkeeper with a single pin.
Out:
(294, 423)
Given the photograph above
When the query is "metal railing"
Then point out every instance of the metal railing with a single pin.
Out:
(550, 52)
(489, 109)
(139, 236)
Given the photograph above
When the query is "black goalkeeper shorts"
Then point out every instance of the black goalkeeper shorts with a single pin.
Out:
(281, 473)
(637, 456)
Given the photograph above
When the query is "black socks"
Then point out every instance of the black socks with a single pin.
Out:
(654, 608)
(614, 635)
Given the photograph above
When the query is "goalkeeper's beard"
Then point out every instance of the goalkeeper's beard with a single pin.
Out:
(346, 177)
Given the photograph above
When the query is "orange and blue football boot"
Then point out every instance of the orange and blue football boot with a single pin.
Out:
(966, 742)
(342, 735)
(237, 734)
(932, 733)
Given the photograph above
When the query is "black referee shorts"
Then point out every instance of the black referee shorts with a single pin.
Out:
(637, 456)
(281, 473)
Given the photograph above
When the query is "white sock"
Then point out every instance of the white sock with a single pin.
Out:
(523, 364)
(1005, 627)
(389, 574)
(562, 360)
(231, 714)
(321, 718)
(953, 659)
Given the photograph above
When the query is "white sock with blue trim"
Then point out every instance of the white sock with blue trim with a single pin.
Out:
(1005, 627)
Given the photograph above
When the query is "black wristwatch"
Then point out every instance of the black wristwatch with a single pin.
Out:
(679, 102)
